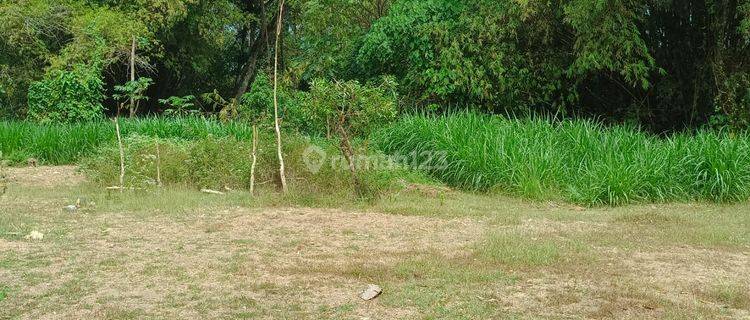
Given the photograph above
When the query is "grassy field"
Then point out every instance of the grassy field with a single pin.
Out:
(579, 161)
(437, 254)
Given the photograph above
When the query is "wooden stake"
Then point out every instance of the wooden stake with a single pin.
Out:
(282, 176)
(122, 155)
(255, 159)
(158, 164)
(3, 180)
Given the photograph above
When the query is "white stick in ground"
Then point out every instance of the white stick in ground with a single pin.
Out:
(255, 159)
(158, 164)
(122, 155)
(282, 176)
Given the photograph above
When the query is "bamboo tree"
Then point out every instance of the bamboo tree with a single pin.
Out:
(280, 19)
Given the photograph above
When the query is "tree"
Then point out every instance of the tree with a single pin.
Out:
(623, 60)
(255, 36)
(354, 111)
(254, 107)
(326, 33)
(277, 126)
(30, 31)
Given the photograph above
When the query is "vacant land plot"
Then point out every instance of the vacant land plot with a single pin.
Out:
(437, 254)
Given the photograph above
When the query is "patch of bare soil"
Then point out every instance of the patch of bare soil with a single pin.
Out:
(663, 284)
(217, 264)
(48, 176)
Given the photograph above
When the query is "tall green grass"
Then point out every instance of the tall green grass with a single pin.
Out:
(580, 161)
(68, 143)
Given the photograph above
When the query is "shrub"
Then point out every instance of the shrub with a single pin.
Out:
(67, 96)
(258, 101)
(180, 106)
(294, 107)
(224, 162)
(133, 92)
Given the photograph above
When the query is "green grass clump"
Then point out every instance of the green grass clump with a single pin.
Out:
(578, 160)
(67, 143)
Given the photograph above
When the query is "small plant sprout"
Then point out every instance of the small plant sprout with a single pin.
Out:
(133, 92)
(179, 106)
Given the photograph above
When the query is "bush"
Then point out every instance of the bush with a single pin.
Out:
(67, 96)
(294, 107)
(224, 162)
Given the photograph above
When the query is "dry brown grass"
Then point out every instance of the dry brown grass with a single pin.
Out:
(182, 254)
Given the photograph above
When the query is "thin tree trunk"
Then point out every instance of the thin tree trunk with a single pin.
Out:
(348, 151)
(282, 176)
(249, 71)
(255, 159)
(122, 155)
(132, 76)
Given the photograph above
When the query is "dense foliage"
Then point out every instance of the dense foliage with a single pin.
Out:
(664, 64)
(67, 96)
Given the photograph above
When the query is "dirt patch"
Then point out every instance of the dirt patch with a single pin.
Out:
(547, 226)
(687, 266)
(299, 260)
(632, 285)
(46, 177)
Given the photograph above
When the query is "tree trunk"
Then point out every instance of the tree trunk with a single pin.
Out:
(282, 176)
(132, 76)
(249, 71)
(258, 51)
(348, 151)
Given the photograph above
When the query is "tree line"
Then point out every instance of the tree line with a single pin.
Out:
(663, 64)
